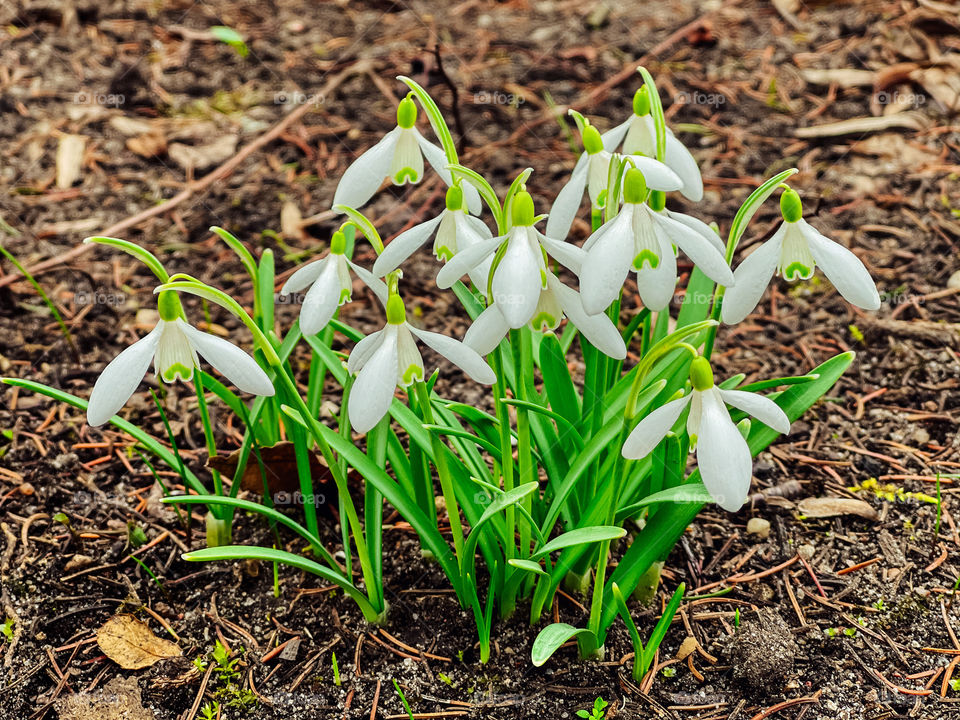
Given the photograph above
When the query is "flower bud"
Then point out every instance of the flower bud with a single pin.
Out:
(168, 306)
(790, 206)
(454, 197)
(407, 113)
(634, 186)
(641, 101)
(592, 142)
(396, 313)
(522, 211)
(701, 374)
(338, 243)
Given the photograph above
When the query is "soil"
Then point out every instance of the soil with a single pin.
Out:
(837, 617)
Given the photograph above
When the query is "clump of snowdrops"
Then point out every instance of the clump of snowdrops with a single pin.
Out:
(544, 481)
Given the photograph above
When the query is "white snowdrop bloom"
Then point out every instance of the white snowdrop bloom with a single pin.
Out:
(641, 237)
(556, 300)
(723, 455)
(520, 269)
(591, 172)
(174, 347)
(390, 357)
(454, 229)
(330, 285)
(399, 157)
(639, 137)
(794, 251)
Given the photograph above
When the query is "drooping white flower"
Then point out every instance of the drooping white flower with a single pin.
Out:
(794, 251)
(174, 347)
(521, 273)
(723, 455)
(330, 285)
(389, 357)
(591, 172)
(456, 229)
(641, 237)
(399, 157)
(556, 300)
(639, 137)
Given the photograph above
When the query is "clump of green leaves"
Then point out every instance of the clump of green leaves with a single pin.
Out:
(599, 711)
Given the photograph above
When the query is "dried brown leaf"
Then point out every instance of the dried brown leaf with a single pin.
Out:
(132, 645)
(833, 507)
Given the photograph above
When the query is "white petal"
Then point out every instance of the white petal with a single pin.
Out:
(641, 136)
(304, 276)
(371, 281)
(487, 331)
(843, 268)
(404, 245)
(751, 278)
(517, 281)
(683, 164)
(567, 204)
(372, 391)
(471, 196)
(762, 408)
(367, 173)
(701, 227)
(656, 173)
(594, 237)
(229, 360)
(567, 254)
(363, 350)
(612, 138)
(437, 158)
(597, 328)
(466, 260)
(703, 253)
(658, 285)
(460, 354)
(406, 166)
(651, 430)
(722, 454)
(472, 231)
(322, 299)
(607, 263)
(120, 378)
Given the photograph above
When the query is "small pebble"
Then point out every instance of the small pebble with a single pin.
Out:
(806, 551)
(759, 527)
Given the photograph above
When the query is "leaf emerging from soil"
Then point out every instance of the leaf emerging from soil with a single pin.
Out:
(131, 644)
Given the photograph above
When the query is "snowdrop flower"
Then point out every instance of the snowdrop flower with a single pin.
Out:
(455, 230)
(556, 300)
(641, 237)
(174, 347)
(723, 455)
(330, 285)
(591, 171)
(639, 137)
(794, 251)
(521, 273)
(399, 157)
(389, 357)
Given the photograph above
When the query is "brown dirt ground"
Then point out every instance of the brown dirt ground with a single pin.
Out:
(739, 80)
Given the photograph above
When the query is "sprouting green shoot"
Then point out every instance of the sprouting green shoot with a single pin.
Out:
(599, 711)
(7, 628)
(231, 37)
(336, 669)
(148, 571)
(403, 699)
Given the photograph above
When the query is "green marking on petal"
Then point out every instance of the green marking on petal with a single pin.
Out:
(648, 257)
(443, 253)
(175, 371)
(543, 322)
(412, 373)
(407, 174)
(344, 296)
(797, 271)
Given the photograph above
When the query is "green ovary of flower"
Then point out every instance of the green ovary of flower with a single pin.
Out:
(701, 374)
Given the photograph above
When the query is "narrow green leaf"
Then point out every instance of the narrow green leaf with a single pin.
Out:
(552, 637)
(581, 536)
